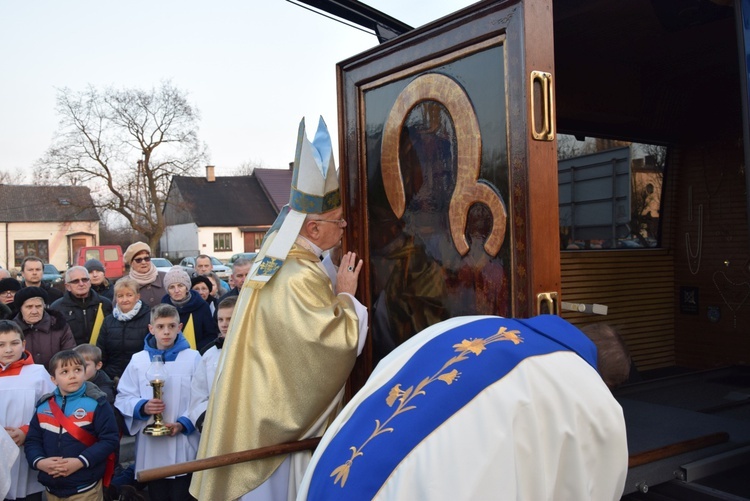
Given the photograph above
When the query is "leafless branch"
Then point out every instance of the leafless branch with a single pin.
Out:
(127, 143)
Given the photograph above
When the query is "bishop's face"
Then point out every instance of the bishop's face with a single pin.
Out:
(331, 226)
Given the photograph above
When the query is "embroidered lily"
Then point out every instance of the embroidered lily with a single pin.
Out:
(450, 377)
(404, 397)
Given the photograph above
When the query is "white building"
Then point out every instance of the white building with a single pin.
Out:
(222, 216)
(51, 222)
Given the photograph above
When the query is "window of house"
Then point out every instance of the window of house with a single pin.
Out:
(258, 239)
(25, 248)
(609, 193)
(222, 242)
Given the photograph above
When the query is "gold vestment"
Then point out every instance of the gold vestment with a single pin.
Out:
(289, 351)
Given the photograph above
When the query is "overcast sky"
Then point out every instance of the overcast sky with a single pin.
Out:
(253, 68)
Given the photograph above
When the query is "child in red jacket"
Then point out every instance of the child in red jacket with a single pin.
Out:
(73, 435)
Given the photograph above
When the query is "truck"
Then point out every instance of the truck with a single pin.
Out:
(584, 159)
(109, 255)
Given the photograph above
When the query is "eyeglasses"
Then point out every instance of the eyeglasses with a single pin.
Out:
(79, 281)
(139, 260)
(8, 293)
(340, 222)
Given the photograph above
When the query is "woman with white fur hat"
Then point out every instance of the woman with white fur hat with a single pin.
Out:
(195, 314)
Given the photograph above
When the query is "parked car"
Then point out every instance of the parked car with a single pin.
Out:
(246, 255)
(51, 275)
(223, 272)
(109, 255)
(161, 264)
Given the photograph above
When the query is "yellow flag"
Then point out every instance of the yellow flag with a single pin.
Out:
(189, 332)
(97, 324)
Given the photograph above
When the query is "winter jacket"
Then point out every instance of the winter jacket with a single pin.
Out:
(80, 313)
(48, 336)
(234, 292)
(6, 311)
(53, 293)
(152, 293)
(121, 340)
(205, 327)
(89, 409)
(104, 383)
(105, 289)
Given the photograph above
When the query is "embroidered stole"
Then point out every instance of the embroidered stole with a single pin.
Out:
(441, 377)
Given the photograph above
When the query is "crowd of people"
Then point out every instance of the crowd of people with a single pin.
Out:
(83, 351)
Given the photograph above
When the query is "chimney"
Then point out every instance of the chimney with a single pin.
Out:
(210, 177)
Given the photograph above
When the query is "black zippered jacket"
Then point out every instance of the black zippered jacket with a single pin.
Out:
(81, 313)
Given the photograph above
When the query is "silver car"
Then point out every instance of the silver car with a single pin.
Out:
(161, 263)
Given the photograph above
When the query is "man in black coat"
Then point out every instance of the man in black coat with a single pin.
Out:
(80, 305)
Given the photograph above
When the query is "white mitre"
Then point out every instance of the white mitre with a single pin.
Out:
(315, 190)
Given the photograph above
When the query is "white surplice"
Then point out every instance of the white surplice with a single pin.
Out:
(152, 452)
(18, 397)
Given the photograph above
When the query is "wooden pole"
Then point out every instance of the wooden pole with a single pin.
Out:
(638, 459)
(226, 459)
(670, 450)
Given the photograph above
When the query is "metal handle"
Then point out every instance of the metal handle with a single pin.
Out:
(550, 300)
(541, 81)
(595, 309)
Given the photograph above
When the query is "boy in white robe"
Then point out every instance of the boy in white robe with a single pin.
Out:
(204, 375)
(22, 383)
(135, 401)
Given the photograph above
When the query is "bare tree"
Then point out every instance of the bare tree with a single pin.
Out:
(246, 168)
(8, 177)
(570, 147)
(126, 144)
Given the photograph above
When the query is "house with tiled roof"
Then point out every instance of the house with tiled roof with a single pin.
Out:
(51, 222)
(275, 183)
(222, 215)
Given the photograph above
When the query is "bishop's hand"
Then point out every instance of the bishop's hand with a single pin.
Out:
(347, 277)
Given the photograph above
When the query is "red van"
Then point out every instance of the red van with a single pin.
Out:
(109, 255)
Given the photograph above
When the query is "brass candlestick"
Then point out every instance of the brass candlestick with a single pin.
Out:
(156, 374)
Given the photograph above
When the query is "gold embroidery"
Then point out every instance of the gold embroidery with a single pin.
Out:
(404, 397)
(450, 377)
(269, 266)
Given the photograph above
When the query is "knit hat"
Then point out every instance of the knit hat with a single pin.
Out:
(134, 249)
(176, 275)
(27, 293)
(315, 190)
(9, 284)
(94, 265)
(198, 279)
